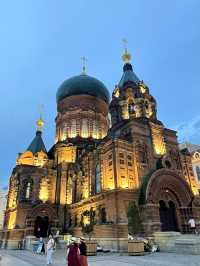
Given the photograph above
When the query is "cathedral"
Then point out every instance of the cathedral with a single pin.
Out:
(108, 152)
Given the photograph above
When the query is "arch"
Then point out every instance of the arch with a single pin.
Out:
(43, 210)
(43, 217)
(166, 184)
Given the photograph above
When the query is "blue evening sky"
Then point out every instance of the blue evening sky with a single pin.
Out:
(42, 41)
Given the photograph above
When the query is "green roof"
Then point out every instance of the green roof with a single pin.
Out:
(128, 76)
(81, 85)
(37, 144)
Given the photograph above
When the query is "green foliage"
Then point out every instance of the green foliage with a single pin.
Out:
(134, 221)
(88, 228)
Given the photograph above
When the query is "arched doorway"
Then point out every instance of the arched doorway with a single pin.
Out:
(41, 226)
(170, 198)
(44, 218)
(168, 217)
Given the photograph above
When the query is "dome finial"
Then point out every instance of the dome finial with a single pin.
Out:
(126, 57)
(40, 122)
(84, 60)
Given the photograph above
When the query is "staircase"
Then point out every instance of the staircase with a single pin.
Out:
(178, 243)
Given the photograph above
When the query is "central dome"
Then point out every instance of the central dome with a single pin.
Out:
(82, 84)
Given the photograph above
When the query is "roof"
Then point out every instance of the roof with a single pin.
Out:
(190, 146)
(37, 144)
(128, 75)
(80, 85)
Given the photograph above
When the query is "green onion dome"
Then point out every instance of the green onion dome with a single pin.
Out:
(82, 85)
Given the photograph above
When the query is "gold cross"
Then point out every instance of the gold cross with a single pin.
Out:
(41, 109)
(126, 56)
(84, 60)
(125, 42)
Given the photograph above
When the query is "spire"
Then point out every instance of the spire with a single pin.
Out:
(37, 143)
(40, 122)
(126, 57)
(128, 73)
(84, 60)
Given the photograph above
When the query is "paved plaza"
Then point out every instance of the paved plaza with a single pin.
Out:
(26, 258)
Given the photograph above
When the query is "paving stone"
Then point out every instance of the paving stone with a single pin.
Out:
(27, 258)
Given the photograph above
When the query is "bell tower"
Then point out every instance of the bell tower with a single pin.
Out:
(131, 97)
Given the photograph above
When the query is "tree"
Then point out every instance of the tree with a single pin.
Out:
(134, 220)
(88, 222)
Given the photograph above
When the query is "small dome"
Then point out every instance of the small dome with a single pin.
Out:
(82, 84)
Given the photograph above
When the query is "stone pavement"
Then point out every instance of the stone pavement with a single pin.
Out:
(26, 258)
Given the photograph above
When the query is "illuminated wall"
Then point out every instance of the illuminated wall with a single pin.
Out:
(125, 169)
(66, 153)
(158, 139)
(107, 171)
(27, 158)
(189, 173)
(12, 220)
(196, 166)
(44, 190)
(82, 127)
(82, 116)
(12, 195)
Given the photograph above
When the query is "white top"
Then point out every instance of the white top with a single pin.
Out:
(191, 222)
(50, 244)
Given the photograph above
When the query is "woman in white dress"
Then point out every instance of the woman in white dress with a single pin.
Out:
(50, 249)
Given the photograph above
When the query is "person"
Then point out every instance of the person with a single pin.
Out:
(83, 252)
(50, 249)
(40, 248)
(73, 253)
(56, 237)
(192, 225)
(20, 243)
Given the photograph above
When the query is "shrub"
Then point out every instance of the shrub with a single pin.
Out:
(134, 220)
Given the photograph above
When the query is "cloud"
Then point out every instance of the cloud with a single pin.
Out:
(189, 131)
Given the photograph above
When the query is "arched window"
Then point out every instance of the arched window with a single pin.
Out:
(84, 129)
(198, 172)
(73, 128)
(27, 189)
(97, 179)
(95, 130)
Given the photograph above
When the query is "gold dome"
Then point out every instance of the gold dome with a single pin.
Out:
(126, 57)
(40, 124)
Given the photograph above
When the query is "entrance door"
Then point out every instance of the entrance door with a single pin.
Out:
(41, 226)
(172, 216)
(168, 216)
(163, 215)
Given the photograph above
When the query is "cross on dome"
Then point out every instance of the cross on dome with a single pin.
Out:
(84, 60)
(40, 122)
(126, 57)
